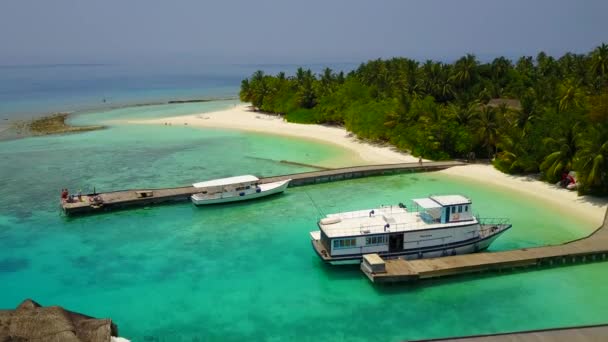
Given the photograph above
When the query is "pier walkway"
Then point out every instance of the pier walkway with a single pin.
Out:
(100, 202)
(591, 248)
(590, 333)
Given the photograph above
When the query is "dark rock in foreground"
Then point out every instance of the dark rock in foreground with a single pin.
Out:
(32, 322)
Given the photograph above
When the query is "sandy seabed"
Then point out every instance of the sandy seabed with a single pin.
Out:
(240, 117)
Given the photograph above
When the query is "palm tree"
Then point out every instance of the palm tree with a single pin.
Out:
(504, 113)
(436, 81)
(511, 157)
(562, 157)
(466, 114)
(570, 95)
(525, 66)
(257, 89)
(340, 77)
(524, 120)
(546, 64)
(245, 93)
(592, 159)
(306, 92)
(407, 79)
(430, 74)
(257, 76)
(500, 68)
(599, 60)
(574, 66)
(444, 88)
(465, 70)
(598, 108)
(327, 82)
(486, 126)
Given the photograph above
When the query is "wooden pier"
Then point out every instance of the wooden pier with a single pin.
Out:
(100, 202)
(591, 248)
(570, 334)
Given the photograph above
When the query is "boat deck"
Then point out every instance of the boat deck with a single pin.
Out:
(144, 197)
(591, 248)
(398, 220)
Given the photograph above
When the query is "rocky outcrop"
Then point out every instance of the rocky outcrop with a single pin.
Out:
(32, 322)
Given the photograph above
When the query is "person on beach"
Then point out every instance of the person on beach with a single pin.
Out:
(564, 181)
(420, 160)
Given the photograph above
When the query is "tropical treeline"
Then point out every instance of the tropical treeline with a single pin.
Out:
(531, 115)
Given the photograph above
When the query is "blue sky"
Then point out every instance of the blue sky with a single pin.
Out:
(241, 31)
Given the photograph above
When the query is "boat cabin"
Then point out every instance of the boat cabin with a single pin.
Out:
(230, 184)
(444, 209)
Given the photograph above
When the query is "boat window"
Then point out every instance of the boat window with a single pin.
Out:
(345, 243)
(375, 240)
(453, 210)
(460, 208)
(466, 208)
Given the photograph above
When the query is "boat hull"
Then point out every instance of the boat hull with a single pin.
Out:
(265, 190)
(464, 247)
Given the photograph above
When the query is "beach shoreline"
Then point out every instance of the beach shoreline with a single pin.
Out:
(241, 118)
(589, 209)
(17, 126)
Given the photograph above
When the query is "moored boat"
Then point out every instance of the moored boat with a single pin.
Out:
(234, 189)
(432, 227)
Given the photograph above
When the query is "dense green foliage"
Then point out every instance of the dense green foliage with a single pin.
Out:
(558, 121)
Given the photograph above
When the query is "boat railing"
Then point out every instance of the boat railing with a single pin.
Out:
(387, 228)
(352, 214)
(493, 225)
(494, 221)
(490, 226)
(384, 209)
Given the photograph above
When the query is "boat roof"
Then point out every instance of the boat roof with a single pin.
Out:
(363, 223)
(441, 201)
(451, 199)
(426, 203)
(226, 181)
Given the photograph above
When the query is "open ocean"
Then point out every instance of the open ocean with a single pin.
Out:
(241, 271)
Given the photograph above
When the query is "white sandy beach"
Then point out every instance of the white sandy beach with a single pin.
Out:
(241, 118)
(591, 210)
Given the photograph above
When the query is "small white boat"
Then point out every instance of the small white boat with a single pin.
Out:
(232, 189)
(432, 227)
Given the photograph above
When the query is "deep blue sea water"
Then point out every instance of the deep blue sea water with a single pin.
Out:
(246, 271)
(27, 91)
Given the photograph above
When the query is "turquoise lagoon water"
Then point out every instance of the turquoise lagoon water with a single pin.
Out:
(247, 271)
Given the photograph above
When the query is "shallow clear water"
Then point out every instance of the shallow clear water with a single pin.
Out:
(247, 271)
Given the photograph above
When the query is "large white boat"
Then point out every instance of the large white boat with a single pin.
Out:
(233, 189)
(432, 227)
